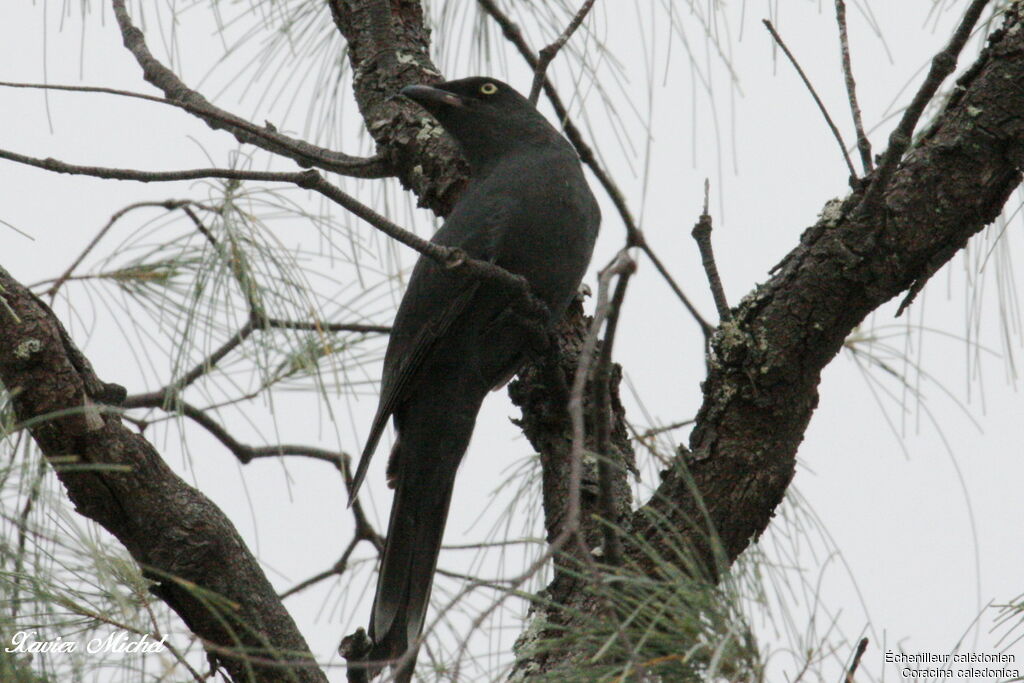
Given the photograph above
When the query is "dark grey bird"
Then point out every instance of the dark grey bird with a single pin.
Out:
(528, 209)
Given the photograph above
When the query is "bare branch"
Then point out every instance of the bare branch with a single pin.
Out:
(603, 415)
(453, 259)
(548, 53)
(702, 234)
(181, 95)
(169, 204)
(943, 64)
(634, 236)
(243, 452)
(619, 265)
(762, 387)
(161, 398)
(304, 153)
(814, 94)
(862, 646)
(324, 326)
(364, 532)
(108, 173)
(198, 563)
(655, 431)
(166, 396)
(863, 144)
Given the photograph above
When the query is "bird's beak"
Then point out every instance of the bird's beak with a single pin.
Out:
(429, 97)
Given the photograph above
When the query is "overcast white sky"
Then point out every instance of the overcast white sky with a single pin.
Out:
(921, 507)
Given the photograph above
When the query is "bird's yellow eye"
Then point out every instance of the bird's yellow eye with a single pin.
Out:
(488, 88)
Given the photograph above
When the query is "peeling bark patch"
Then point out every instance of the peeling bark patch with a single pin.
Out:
(28, 348)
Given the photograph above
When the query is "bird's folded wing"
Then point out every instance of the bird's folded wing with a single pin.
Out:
(409, 365)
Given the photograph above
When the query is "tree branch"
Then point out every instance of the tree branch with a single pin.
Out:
(181, 95)
(634, 236)
(702, 235)
(765, 365)
(453, 259)
(425, 159)
(942, 66)
(183, 542)
(169, 205)
(606, 465)
(244, 452)
(851, 89)
(814, 93)
(547, 54)
(765, 368)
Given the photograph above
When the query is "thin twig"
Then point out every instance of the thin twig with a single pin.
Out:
(602, 407)
(655, 431)
(176, 91)
(861, 647)
(702, 234)
(814, 94)
(243, 452)
(168, 394)
(618, 265)
(169, 204)
(705, 327)
(943, 64)
(265, 137)
(108, 173)
(324, 326)
(364, 531)
(635, 237)
(337, 569)
(453, 259)
(863, 144)
(548, 53)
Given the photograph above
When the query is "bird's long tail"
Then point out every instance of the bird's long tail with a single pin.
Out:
(424, 464)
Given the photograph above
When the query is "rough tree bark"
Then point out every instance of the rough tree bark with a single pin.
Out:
(760, 393)
(389, 48)
(766, 364)
(198, 563)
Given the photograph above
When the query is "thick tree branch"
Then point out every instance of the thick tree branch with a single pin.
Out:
(385, 59)
(183, 542)
(765, 365)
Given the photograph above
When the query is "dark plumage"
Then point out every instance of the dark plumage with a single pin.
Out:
(528, 209)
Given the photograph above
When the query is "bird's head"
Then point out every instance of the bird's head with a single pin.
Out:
(486, 117)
